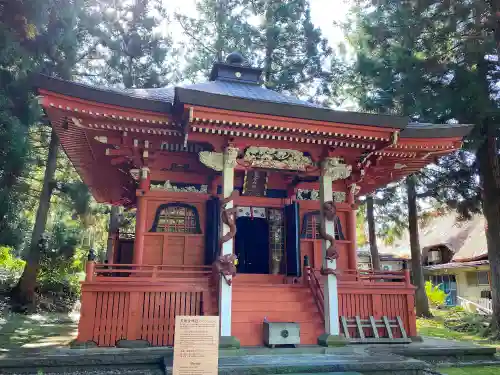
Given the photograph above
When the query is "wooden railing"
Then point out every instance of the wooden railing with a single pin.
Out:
(123, 272)
(402, 277)
(143, 305)
(369, 293)
(316, 289)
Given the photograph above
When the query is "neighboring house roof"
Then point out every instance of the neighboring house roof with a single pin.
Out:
(465, 239)
(384, 257)
(456, 265)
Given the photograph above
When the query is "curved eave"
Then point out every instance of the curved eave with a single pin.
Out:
(94, 94)
(106, 183)
(234, 103)
(419, 131)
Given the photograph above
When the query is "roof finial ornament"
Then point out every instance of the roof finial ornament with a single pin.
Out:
(235, 58)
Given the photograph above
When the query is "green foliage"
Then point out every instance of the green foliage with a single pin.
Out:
(8, 261)
(129, 45)
(437, 62)
(220, 28)
(361, 237)
(10, 268)
(59, 277)
(436, 296)
(284, 42)
(414, 59)
(16, 114)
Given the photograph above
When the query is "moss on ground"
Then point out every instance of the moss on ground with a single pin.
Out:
(487, 370)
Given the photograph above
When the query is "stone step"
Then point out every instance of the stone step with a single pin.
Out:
(242, 278)
(274, 306)
(347, 361)
(275, 316)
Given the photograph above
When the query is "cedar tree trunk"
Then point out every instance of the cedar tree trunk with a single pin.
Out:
(113, 226)
(421, 301)
(488, 167)
(24, 292)
(371, 233)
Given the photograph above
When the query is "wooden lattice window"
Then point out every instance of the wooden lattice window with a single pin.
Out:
(311, 228)
(311, 223)
(276, 238)
(176, 218)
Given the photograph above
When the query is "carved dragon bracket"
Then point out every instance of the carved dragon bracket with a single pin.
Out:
(225, 265)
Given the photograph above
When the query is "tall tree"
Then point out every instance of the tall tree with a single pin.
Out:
(439, 62)
(372, 234)
(221, 27)
(18, 28)
(293, 49)
(131, 45)
(276, 35)
(26, 287)
(58, 43)
(389, 69)
(422, 303)
(132, 50)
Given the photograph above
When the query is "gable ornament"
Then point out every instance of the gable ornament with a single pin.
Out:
(168, 186)
(274, 158)
(313, 195)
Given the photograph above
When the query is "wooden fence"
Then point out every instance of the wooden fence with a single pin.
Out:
(143, 305)
(130, 302)
(367, 293)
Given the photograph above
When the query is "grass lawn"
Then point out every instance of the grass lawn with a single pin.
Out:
(492, 370)
(435, 328)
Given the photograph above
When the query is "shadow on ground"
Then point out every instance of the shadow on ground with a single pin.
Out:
(35, 331)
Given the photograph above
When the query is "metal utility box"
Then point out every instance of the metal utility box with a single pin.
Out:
(281, 333)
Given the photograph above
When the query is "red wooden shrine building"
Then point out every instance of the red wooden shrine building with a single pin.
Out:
(178, 154)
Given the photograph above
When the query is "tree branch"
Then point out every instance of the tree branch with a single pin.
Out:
(190, 34)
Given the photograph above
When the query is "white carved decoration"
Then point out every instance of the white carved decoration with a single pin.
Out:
(265, 157)
(230, 157)
(101, 138)
(213, 160)
(313, 195)
(144, 172)
(167, 186)
(135, 173)
(354, 189)
(217, 161)
(336, 169)
(399, 166)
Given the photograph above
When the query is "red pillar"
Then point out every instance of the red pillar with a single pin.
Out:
(141, 216)
(352, 261)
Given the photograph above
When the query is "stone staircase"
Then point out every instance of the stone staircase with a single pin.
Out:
(257, 297)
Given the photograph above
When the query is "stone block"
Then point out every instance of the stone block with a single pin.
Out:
(332, 340)
(229, 342)
(132, 344)
(83, 345)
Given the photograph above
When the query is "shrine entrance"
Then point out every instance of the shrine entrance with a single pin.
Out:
(252, 245)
